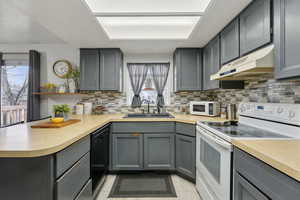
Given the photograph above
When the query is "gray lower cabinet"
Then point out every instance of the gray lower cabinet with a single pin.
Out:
(86, 193)
(230, 42)
(71, 182)
(127, 151)
(211, 65)
(67, 157)
(89, 69)
(159, 151)
(187, 69)
(186, 155)
(245, 190)
(61, 176)
(101, 69)
(27, 178)
(255, 26)
(255, 180)
(286, 39)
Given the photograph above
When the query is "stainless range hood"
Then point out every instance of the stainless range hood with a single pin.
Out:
(249, 67)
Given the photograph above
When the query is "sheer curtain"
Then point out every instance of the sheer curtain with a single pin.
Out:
(137, 74)
(159, 73)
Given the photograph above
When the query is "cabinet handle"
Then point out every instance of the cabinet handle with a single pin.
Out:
(135, 134)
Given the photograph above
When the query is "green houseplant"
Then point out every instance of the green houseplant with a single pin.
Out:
(62, 110)
(75, 76)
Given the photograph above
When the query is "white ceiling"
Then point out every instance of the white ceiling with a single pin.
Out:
(16, 28)
(72, 22)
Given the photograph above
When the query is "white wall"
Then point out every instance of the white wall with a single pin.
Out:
(49, 54)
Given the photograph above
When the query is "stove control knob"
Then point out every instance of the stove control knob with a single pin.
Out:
(280, 110)
(292, 114)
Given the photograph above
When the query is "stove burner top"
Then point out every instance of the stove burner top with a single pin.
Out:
(235, 129)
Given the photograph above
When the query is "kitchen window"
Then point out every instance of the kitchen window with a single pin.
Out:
(148, 91)
(14, 88)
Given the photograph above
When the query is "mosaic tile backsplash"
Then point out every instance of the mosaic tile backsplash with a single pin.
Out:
(264, 91)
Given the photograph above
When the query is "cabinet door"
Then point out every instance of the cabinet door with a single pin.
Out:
(286, 38)
(243, 190)
(127, 152)
(110, 69)
(89, 69)
(255, 26)
(211, 64)
(188, 63)
(186, 155)
(230, 42)
(159, 151)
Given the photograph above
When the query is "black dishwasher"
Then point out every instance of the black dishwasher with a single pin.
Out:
(99, 157)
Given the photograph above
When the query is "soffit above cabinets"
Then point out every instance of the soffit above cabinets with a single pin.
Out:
(142, 20)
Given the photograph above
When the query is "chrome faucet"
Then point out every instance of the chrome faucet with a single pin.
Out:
(147, 102)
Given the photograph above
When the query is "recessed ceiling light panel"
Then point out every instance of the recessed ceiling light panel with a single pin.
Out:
(165, 27)
(115, 6)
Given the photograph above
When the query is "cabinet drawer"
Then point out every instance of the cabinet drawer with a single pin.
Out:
(270, 181)
(67, 157)
(86, 192)
(186, 129)
(143, 127)
(70, 183)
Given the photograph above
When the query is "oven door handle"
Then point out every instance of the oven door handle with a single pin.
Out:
(224, 144)
(215, 139)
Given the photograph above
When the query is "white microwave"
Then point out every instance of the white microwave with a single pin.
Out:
(205, 108)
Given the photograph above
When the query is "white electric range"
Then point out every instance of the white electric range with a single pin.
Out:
(214, 148)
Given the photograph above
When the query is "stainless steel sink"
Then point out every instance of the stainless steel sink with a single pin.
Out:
(150, 115)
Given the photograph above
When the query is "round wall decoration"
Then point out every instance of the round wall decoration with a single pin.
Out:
(62, 68)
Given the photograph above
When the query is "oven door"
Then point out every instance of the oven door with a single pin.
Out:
(213, 165)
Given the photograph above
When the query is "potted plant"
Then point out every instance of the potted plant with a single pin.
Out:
(62, 110)
(75, 76)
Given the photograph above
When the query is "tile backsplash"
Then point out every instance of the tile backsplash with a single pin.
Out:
(268, 90)
(263, 91)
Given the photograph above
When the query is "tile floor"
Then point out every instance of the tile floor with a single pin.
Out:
(185, 190)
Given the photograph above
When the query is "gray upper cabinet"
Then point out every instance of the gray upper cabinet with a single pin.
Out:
(188, 69)
(230, 42)
(211, 65)
(127, 151)
(111, 62)
(159, 151)
(89, 69)
(101, 69)
(286, 39)
(255, 26)
(186, 156)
